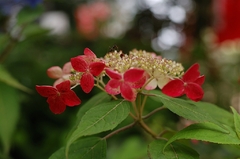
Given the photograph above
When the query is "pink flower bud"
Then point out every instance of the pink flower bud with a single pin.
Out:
(55, 72)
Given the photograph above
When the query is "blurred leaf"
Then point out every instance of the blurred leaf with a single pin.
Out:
(206, 132)
(185, 109)
(9, 113)
(132, 148)
(33, 30)
(8, 79)
(105, 116)
(174, 151)
(28, 14)
(236, 117)
(85, 148)
(4, 41)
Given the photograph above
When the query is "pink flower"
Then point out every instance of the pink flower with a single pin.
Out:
(89, 18)
(89, 65)
(61, 74)
(58, 97)
(190, 84)
(126, 83)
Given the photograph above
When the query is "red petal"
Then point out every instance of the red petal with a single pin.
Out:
(46, 91)
(200, 80)
(79, 64)
(58, 81)
(133, 75)
(174, 88)
(70, 98)
(63, 86)
(96, 68)
(87, 82)
(113, 87)
(194, 91)
(113, 74)
(127, 92)
(192, 73)
(89, 53)
(56, 105)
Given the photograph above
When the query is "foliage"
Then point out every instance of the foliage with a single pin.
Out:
(132, 81)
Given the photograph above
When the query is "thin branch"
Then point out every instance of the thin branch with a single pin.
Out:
(119, 130)
(98, 86)
(153, 112)
(133, 116)
(7, 51)
(147, 129)
(165, 131)
(149, 80)
(162, 133)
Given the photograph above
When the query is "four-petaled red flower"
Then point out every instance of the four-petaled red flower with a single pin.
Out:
(59, 96)
(189, 84)
(126, 83)
(90, 66)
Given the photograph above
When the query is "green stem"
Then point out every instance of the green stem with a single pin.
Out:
(143, 104)
(147, 129)
(139, 103)
(119, 130)
(166, 130)
(149, 80)
(153, 112)
(135, 109)
(133, 116)
(98, 86)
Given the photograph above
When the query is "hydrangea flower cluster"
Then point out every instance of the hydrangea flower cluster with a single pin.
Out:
(129, 74)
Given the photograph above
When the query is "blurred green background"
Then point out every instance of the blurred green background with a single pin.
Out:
(35, 35)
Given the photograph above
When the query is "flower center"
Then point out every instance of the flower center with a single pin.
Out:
(185, 84)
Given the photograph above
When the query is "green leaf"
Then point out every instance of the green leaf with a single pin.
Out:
(9, 113)
(105, 116)
(185, 109)
(8, 79)
(33, 30)
(207, 132)
(94, 101)
(174, 151)
(236, 117)
(217, 113)
(28, 14)
(85, 148)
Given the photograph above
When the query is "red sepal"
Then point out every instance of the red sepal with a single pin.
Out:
(87, 82)
(133, 75)
(96, 68)
(79, 64)
(174, 88)
(192, 73)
